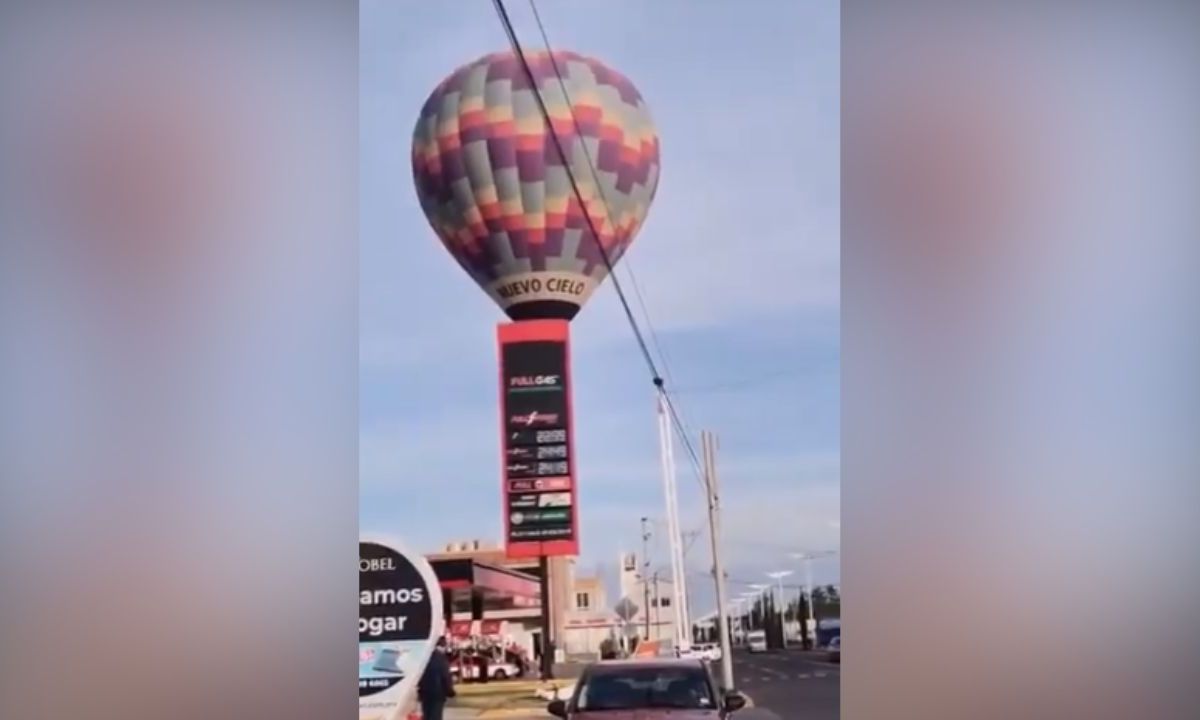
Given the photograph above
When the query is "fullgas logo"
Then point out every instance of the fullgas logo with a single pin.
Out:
(534, 383)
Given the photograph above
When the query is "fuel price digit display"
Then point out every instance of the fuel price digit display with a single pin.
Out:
(551, 436)
(552, 452)
(551, 468)
(524, 437)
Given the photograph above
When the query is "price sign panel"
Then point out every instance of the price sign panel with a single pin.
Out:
(540, 513)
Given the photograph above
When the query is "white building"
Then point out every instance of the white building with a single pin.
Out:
(653, 595)
(590, 616)
(589, 620)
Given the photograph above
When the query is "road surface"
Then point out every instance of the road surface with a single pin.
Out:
(784, 685)
(788, 684)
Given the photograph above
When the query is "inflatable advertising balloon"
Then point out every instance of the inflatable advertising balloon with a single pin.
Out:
(495, 188)
(399, 621)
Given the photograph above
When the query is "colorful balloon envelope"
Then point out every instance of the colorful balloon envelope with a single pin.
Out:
(496, 189)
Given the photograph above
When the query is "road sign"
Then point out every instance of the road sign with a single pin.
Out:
(626, 609)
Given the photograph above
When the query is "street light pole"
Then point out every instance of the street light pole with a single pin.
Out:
(778, 577)
(761, 600)
(743, 613)
(736, 617)
(812, 599)
(808, 584)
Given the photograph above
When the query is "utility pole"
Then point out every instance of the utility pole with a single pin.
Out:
(714, 533)
(691, 538)
(657, 603)
(646, 573)
(674, 544)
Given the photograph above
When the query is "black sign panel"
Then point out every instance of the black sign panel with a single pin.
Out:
(393, 602)
(395, 612)
(538, 464)
(535, 382)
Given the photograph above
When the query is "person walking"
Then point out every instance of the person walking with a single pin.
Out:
(436, 684)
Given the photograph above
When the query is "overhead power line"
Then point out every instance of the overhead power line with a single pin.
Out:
(743, 384)
(608, 264)
(677, 419)
(643, 346)
(750, 583)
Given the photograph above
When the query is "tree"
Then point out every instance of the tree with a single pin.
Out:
(802, 609)
(827, 602)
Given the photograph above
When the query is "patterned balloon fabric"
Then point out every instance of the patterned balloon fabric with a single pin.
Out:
(495, 188)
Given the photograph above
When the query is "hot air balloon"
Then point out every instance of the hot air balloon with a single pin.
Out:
(495, 187)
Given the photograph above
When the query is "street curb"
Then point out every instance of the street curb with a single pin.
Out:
(513, 713)
(499, 687)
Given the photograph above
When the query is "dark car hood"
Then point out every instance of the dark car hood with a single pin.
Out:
(655, 714)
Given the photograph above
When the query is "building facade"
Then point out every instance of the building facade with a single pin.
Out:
(515, 619)
(590, 620)
(488, 594)
(652, 594)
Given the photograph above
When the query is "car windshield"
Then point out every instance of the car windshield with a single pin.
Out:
(684, 688)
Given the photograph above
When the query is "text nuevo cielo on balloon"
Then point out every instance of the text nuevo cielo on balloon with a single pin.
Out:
(526, 287)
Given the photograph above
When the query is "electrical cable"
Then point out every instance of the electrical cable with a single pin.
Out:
(643, 346)
(743, 384)
(608, 264)
(675, 416)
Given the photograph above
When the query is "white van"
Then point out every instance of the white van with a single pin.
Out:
(756, 641)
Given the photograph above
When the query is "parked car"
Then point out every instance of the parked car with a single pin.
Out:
(653, 689)
(496, 671)
(835, 649)
(756, 641)
(710, 651)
